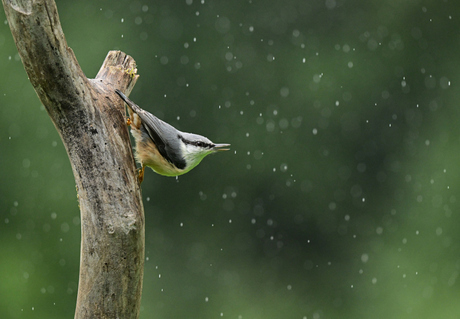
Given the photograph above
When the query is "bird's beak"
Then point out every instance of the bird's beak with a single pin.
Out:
(221, 147)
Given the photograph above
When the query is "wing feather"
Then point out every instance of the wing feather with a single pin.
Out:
(165, 136)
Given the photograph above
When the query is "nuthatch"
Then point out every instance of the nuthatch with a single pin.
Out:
(163, 148)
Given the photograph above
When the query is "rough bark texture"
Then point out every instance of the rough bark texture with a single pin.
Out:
(90, 120)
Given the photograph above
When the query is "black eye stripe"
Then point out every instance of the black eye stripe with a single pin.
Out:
(196, 143)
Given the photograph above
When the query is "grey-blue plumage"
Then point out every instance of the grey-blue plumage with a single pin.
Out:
(179, 152)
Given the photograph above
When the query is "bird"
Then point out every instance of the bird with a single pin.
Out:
(162, 147)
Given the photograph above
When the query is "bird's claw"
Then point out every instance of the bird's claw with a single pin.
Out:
(141, 174)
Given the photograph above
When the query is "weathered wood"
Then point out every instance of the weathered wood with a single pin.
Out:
(90, 120)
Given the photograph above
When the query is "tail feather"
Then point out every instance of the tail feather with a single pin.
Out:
(133, 111)
(131, 104)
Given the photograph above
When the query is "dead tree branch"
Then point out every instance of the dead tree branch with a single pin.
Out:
(90, 120)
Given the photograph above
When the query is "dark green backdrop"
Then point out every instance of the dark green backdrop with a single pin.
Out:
(337, 200)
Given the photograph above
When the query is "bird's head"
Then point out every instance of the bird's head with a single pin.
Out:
(195, 147)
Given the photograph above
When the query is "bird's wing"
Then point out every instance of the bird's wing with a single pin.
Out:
(162, 134)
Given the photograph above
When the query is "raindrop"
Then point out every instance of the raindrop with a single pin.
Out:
(164, 60)
(270, 126)
(284, 92)
(65, 227)
(284, 124)
(444, 82)
(229, 56)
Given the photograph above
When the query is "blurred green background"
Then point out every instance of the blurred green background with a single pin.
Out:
(337, 200)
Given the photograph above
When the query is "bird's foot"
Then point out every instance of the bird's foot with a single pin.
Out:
(141, 174)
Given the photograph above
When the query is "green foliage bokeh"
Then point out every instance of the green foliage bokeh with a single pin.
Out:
(337, 200)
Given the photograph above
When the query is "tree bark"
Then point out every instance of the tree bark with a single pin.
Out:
(90, 120)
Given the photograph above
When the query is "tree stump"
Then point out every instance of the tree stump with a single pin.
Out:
(90, 119)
